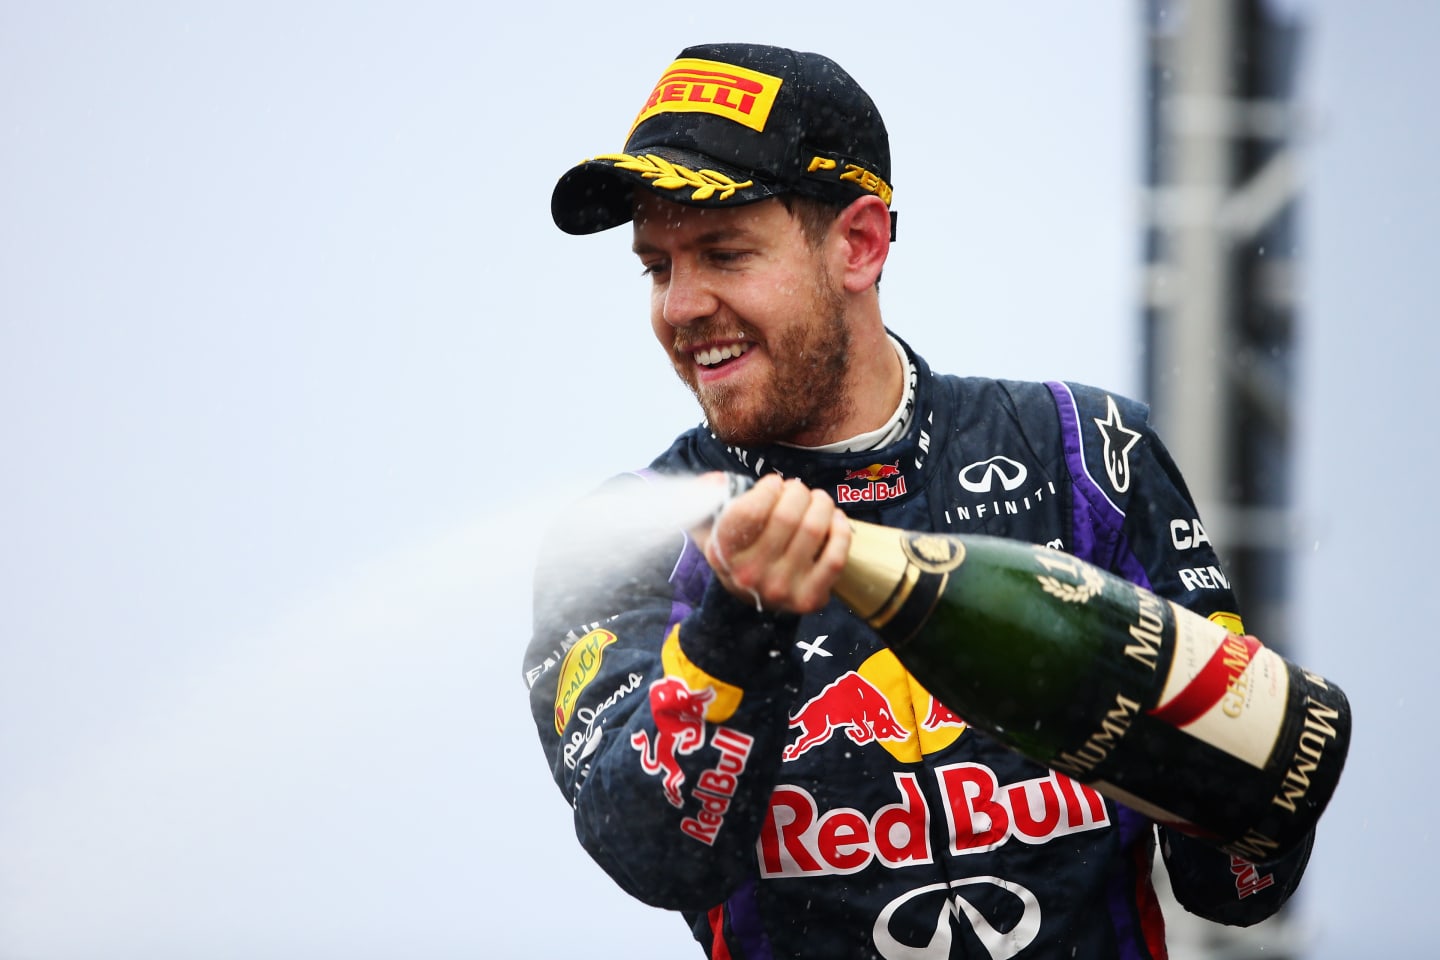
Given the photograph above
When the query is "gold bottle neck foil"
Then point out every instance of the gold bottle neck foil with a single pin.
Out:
(878, 577)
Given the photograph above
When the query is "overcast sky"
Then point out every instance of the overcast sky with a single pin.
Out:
(293, 364)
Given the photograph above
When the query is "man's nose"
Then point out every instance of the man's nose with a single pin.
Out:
(687, 298)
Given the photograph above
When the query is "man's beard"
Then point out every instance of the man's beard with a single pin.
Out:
(810, 391)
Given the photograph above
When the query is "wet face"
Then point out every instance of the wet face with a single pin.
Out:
(751, 316)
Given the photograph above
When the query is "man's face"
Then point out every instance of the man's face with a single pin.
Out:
(751, 316)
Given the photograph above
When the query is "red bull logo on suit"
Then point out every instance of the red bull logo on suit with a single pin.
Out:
(882, 704)
(877, 484)
(799, 839)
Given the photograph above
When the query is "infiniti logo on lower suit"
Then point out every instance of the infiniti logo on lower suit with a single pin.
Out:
(948, 900)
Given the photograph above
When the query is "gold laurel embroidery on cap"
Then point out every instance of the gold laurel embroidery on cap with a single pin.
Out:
(1093, 585)
(672, 176)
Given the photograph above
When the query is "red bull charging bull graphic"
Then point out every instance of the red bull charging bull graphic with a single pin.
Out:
(851, 704)
(878, 703)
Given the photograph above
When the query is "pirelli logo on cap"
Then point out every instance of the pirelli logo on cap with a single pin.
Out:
(708, 86)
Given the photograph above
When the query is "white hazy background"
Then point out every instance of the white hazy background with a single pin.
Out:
(293, 364)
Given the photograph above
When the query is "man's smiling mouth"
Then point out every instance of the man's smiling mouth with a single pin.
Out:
(714, 356)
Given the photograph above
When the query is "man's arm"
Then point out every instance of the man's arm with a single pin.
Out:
(662, 700)
(1165, 542)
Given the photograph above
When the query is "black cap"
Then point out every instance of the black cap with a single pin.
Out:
(732, 123)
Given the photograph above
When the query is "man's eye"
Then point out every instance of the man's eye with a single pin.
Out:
(652, 269)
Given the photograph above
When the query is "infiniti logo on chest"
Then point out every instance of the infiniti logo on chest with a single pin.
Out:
(981, 476)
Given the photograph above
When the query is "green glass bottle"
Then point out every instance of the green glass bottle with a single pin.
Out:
(1155, 706)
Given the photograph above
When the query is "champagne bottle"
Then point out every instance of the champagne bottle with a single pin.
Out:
(1153, 705)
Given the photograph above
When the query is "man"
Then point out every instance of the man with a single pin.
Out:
(736, 744)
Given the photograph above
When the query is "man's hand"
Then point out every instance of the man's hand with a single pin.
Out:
(779, 545)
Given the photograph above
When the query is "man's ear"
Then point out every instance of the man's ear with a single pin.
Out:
(863, 229)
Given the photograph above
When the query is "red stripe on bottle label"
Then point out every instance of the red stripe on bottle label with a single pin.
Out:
(1201, 694)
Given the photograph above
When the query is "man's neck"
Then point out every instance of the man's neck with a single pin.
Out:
(883, 419)
(879, 375)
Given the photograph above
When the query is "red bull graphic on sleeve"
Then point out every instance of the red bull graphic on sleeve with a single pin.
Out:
(679, 715)
(878, 482)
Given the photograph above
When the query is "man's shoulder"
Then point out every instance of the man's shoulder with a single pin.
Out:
(1031, 391)
(1029, 404)
(1039, 403)
(696, 450)
(1089, 398)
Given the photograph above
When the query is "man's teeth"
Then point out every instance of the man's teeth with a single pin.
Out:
(708, 358)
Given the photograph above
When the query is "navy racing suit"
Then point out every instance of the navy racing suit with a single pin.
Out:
(790, 788)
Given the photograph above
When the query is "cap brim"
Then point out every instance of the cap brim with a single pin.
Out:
(599, 193)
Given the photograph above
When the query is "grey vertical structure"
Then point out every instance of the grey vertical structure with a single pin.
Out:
(1219, 308)
(1219, 305)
